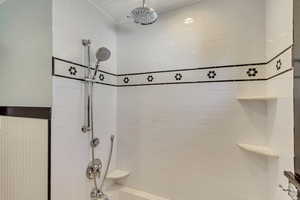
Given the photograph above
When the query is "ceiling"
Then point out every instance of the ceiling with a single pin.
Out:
(2, 1)
(118, 10)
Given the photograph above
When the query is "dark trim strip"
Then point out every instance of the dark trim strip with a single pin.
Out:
(279, 74)
(177, 70)
(27, 112)
(73, 63)
(217, 81)
(53, 66)
(186, 82)
(192, 82)
(279, 54)
(80, 79)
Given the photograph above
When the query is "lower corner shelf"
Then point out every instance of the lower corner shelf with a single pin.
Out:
(118, 174)
(261, 150)
(257, 98)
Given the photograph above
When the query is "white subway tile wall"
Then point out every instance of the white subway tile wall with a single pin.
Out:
(178, 135)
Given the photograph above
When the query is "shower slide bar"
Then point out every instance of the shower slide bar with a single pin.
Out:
(94, 169)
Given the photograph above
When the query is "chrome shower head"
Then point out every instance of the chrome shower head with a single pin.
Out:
(144, 15)
(102, 54)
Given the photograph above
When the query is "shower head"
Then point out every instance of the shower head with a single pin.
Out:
(102, 54)
(144, 15)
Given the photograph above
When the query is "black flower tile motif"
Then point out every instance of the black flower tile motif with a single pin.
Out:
(278, 64)
(126, 80)
(211, 74)
(101, 77)
(73, 71)
(252, 72)
(178, 77)
(150, 78)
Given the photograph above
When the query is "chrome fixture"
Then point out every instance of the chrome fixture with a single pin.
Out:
(293, 187)
(94, 169)
(97, 194)
(144, 15)
(95, 142)
(112, 139)
(291, 190)
(103, 54)
(87, 61)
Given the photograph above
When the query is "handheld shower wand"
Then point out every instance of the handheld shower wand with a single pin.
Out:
(103, 54)
(112, 138)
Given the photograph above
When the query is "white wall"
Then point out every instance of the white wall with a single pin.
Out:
(77, 20)
(71, 150)
(25, 53)
(279, 36)
(179, 141)
(223, 33)
(72, 22)
(281, 132)
(279, 26)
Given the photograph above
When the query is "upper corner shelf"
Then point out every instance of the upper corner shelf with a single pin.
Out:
(261, 150)
(257, 98)
(117, 174)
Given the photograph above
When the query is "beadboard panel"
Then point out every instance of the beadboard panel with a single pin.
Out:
(24, 158)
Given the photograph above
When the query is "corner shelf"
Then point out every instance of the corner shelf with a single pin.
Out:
(261, 150)
(117, 174)
(257, 98)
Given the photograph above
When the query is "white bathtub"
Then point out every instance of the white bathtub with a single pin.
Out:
(127, 193)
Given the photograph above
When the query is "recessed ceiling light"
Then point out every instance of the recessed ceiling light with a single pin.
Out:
(188, 20)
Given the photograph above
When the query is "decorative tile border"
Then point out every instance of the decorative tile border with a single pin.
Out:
(71, 70)
(278, 65)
